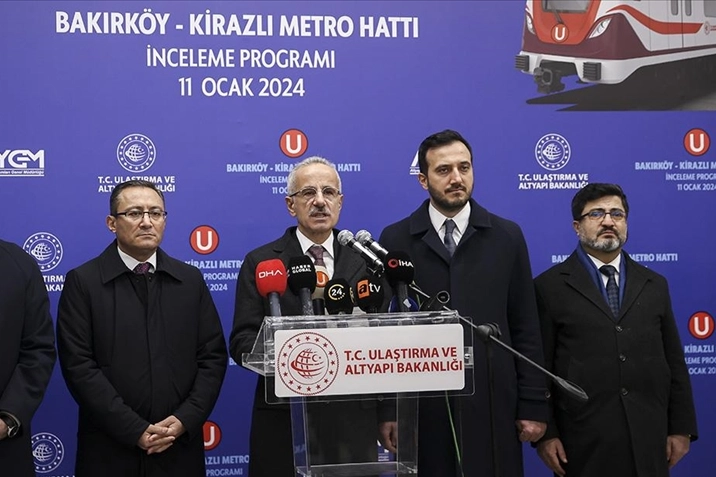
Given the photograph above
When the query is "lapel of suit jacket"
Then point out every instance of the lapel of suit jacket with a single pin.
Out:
(578, 278)
(288, 247)
(347, 264)
(635, 283)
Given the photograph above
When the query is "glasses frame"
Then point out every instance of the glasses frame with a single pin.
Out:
(604, 215)
(139, 219)
(300, 192)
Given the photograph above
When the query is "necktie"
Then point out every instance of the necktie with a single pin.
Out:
(316, 251)
(612, 288)
(449, 241)
(142, 268)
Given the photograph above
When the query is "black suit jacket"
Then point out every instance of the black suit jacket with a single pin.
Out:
(632, 368)
(27, 352)
(270, 440)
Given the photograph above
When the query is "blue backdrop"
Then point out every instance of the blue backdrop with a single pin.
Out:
(216, 100)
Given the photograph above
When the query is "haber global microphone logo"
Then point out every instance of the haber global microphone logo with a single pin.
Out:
(308, 363)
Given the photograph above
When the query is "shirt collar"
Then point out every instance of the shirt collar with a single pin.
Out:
(132, 262)
(615, 263)
(461, 219)
(306, 243)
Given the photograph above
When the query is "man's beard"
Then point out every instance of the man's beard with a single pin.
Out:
(603, 244)
(444, 203)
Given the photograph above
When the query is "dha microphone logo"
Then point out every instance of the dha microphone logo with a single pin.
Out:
(701, 325)
(308, 363)
(552, 152)
(45, 248)
(395, 263)
(560, 33)
(212, 435)
(697, 142)
(270, 273)
(136, 153)
(204, 239)
(47, 452)
(293, 143)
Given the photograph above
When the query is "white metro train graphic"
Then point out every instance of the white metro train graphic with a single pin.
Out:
(605, 41)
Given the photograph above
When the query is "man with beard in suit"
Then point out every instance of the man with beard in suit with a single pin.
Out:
(608, 326)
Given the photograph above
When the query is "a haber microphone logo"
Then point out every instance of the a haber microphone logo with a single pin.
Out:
(308, 363)
(560, 32)
(293, 143)
(212, 435)
(204, 239)
(701, 325)
(697, 142)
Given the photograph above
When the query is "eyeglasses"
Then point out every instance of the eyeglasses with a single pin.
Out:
(309, 193)
(617, 215)
(135, 215)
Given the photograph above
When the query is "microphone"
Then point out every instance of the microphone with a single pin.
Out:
(400, 271)
(319, 305)
(271, 283)
(345, 238)
(302, 281)
(369, 294)
(365, 238)
(436, 302)
(339, 297)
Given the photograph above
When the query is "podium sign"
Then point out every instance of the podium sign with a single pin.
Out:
(339, 361)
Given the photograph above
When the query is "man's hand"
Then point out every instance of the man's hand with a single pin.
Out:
(159, 443)
(530, 431)
(388, 432)
(552, 454)
(677, 446)
(3, 430)
(154, 436)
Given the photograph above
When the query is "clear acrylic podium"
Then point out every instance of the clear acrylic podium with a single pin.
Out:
(335, 435)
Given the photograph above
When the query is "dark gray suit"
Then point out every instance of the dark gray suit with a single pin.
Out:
(632, 369)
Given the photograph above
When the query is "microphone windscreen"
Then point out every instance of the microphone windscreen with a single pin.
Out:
(301, 274)
(338, 297)
(369, 294)
(399, 268)
(321, 280)
(271, 277)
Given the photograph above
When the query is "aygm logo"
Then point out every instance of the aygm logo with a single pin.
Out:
(293, 143)
(552, 152)
(22, 162)
(701, 325)
(697, 142)
(45, 248)
(136, 153)
(212, 435)
(204, 239)
(47, 452)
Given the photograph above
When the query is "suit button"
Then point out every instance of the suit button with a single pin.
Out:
(619, 329)
(622, 358)
(624, 392)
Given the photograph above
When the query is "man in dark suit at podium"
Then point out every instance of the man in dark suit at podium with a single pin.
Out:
(482, 260)
(315, 200)
(27, 355)
(607, 326)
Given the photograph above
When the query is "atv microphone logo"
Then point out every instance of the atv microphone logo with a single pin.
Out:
(136, 153)
(22, 163)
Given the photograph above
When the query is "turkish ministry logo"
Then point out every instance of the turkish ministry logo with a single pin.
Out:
(552, 152)
(293, 143)
(47, 452)
(308, 363)
(204, 239)
(212, 435)
(697, 142)
(701, 325)
(136, 153)
(45, 248)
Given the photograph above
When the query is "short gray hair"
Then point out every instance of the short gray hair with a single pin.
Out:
(291, 185)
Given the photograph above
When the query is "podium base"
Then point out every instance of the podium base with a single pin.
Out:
(365, 469)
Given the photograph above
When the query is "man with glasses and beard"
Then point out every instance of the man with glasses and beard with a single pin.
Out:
(608, 326)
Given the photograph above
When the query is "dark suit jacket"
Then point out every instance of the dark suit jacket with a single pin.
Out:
(27, 352)
(490, 280)
(128, 365)
(270, 440)
(632, 369)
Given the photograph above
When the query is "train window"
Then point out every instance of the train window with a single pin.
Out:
(687, 7)
(572, 6)
(674, 7)
(710, 8)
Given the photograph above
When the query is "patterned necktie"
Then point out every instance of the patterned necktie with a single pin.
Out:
(612, 288)
(449, 241)
(316, 251)
(142, 268)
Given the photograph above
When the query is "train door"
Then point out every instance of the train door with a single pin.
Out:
(688, 19)
(675, 23)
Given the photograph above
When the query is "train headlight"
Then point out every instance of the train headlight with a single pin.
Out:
(528, 22)
(600, 28)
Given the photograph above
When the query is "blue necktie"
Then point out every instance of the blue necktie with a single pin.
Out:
(612, 288)
(449, 241)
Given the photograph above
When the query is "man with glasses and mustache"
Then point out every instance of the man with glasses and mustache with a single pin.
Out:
(348, 430)
(482, 261)
(608, 326)
(141, 348)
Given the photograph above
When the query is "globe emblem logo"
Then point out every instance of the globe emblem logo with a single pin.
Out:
(47, 452)
(307, 363)
(136, 153)
(45, 248)
(552, 152)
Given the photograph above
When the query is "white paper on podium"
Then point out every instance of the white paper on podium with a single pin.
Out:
(367, 360)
